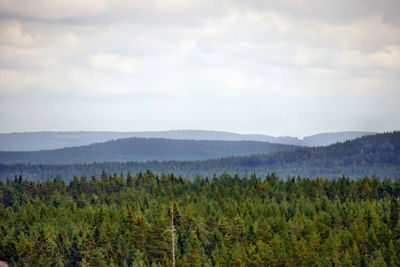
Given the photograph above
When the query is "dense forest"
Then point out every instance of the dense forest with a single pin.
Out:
(366, 156)
(113, 220)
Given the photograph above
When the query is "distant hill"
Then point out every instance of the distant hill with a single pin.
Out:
(325, 139)
(366, 156)
(32, 141)
(143, 149)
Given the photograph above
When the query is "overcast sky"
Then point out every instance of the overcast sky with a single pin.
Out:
(288, 67)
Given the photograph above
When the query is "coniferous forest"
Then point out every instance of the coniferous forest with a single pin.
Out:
(143, 219)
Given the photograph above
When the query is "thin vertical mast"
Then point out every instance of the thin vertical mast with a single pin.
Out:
(173, 234)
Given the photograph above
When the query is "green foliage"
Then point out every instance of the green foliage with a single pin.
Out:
(226, 221)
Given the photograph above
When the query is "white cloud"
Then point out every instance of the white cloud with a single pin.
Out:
(23, 46)
(11, 32)
(309, 56)
(8, 80)
(389, 57)
(386, 58)
(82, 82)
(369, 33)
(111, 62)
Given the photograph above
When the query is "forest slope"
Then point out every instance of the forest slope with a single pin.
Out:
(370, 155)
(32, 141)
(143, 149)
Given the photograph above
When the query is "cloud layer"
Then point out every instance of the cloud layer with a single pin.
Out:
(286, 68)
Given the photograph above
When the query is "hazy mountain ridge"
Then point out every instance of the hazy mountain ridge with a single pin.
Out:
(33, 141)
(143, 149)
(325, 139)
(377, 154)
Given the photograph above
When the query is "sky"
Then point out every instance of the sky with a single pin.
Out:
(289, 67)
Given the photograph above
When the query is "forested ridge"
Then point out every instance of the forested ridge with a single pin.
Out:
(366, 156)
(33, 141)
(143, 149)
(113, 220)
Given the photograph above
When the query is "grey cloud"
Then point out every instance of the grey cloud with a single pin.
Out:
(193, 11)
(339, 11)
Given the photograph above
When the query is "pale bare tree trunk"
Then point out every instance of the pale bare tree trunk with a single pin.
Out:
(173, 235)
